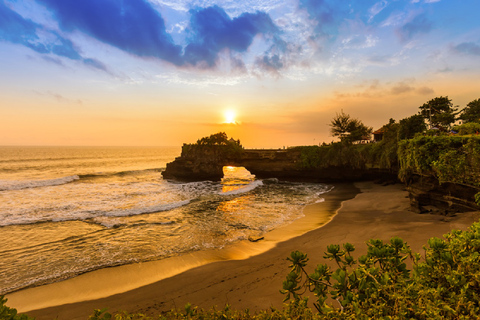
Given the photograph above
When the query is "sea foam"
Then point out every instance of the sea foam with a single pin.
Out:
(247, 188)
(6, 185)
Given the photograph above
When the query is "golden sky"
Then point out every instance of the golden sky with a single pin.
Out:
(161, 72)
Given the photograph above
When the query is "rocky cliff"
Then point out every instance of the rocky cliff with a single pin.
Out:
(427, 195)
(208, 163)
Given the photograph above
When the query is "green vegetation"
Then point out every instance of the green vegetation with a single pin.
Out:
(355, 156)
(407, 145)
(444, 285)
(448, 158)
(7, 313)
(472, 112)
(439, 112)
(348, 129)
(218, 143)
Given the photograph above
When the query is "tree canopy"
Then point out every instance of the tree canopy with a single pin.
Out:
(411, 126)
(439, 112)
(348, 129)
(472, 112)
(217, 139)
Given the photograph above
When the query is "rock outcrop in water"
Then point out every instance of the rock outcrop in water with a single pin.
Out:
(207, 164)
(427, 195)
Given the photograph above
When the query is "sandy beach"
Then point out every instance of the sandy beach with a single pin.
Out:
(251, 274)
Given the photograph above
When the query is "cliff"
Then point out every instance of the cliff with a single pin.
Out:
(207, 164)
(427, 195)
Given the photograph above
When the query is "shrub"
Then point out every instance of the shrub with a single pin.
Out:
(7, 313)
(446, 284)
(468, 128)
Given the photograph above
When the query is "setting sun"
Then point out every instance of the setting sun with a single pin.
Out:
(230, 116)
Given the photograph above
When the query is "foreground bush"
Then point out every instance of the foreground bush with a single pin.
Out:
(445, 285)
(7, 313)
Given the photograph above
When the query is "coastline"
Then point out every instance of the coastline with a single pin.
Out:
(379, 212)
(107, 282)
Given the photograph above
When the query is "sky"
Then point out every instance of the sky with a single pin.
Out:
(271, 73)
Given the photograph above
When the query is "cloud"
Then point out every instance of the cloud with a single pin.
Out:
(135, 26)
(212, 30)
(419, 24)
(374, 89)
(377, 8)
(468, 48)
(326, 16)
(132, 26)
(58, 97)
(16, 29)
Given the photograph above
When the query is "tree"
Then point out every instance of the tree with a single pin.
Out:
(411, 126)
(348, 129)
(472, 112)
(439, 112)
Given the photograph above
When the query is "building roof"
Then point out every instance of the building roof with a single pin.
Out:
(380, 131)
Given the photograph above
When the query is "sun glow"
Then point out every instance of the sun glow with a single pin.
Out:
(230, 116)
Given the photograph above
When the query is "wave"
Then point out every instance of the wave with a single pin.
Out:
(96, 216)
(6, 185)
(247, 188)
(119, 173)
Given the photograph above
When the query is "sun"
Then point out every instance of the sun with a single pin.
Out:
(229, 116)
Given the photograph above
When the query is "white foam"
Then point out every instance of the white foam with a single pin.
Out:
(249, 187)
(29, 219)
(151, 209)
(6, 185)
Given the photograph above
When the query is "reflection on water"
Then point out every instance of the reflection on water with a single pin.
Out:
(235, 178)
(235, 205)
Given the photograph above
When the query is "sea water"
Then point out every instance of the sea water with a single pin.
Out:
(65, 211)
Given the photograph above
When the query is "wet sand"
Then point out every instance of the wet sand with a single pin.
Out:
(249, 275)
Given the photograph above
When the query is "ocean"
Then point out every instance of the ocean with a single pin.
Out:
(65, 211)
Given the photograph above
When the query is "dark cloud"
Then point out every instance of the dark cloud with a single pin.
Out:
(136, 27)
(270, 63)
(130, 25)
(419, 24)
(468, 48)
(16, 29)
(212, 30)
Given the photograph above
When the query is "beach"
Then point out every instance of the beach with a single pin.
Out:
(250, 275)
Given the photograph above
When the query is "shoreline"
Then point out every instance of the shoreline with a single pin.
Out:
(377, 212)
(105, 282)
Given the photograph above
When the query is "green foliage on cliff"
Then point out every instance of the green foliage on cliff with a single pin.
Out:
(218, 144)
(381, 155)
(449, 158)
(444, 285)
(334, 155)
